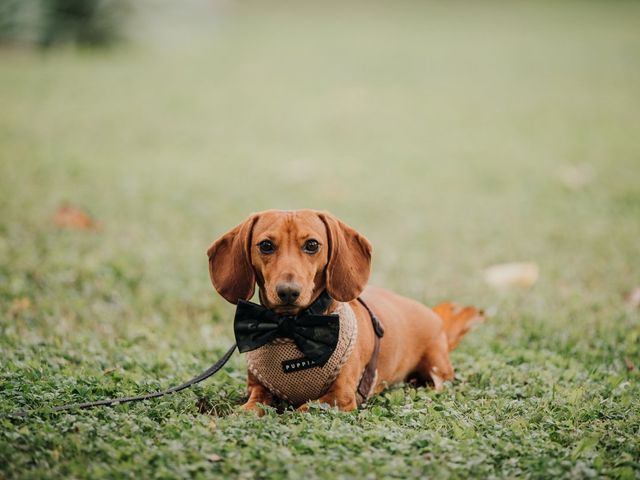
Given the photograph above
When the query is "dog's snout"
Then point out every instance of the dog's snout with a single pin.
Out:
(288, 292)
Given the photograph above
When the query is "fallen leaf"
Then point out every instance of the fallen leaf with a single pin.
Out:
(577, 176)
(518, 274)
(214, 457)
(633, 298)
(109, 370)
(629, 364)
(73, 218)
(19, 305)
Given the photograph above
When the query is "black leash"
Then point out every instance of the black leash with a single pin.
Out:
(111, 402)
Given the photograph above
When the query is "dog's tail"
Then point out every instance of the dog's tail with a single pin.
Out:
(458, 320)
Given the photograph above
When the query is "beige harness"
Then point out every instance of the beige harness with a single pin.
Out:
(280, 365)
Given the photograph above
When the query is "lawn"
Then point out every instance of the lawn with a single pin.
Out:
(453, 135)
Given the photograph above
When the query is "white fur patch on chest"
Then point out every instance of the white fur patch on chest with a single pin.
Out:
(281, 367)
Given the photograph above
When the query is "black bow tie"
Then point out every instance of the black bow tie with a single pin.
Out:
(315, 334)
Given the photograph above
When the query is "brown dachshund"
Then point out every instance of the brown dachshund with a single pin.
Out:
(294, 256)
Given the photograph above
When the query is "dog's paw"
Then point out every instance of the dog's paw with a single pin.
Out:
(253, 407)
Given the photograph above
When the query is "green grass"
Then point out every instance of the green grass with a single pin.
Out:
(440, 131)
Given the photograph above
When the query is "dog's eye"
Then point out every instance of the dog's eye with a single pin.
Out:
(267, 247)
(311, 246)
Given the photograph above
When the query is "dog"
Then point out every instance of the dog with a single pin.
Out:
(295, 256)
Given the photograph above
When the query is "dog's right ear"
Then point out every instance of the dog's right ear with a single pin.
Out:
(230, 266)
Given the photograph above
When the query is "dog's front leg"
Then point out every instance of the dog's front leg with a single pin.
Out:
(342, 394)
(258, 393)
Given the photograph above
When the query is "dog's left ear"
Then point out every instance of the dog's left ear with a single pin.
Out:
(349, 262)
(230, 263)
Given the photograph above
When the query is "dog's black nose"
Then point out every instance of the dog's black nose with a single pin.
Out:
(288, 292)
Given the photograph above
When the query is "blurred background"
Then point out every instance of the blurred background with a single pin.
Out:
(490, 151)
(454, 135)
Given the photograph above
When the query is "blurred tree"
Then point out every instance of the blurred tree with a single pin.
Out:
(8, 13)
(54, 22)
(16, 20)
(84, 22)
